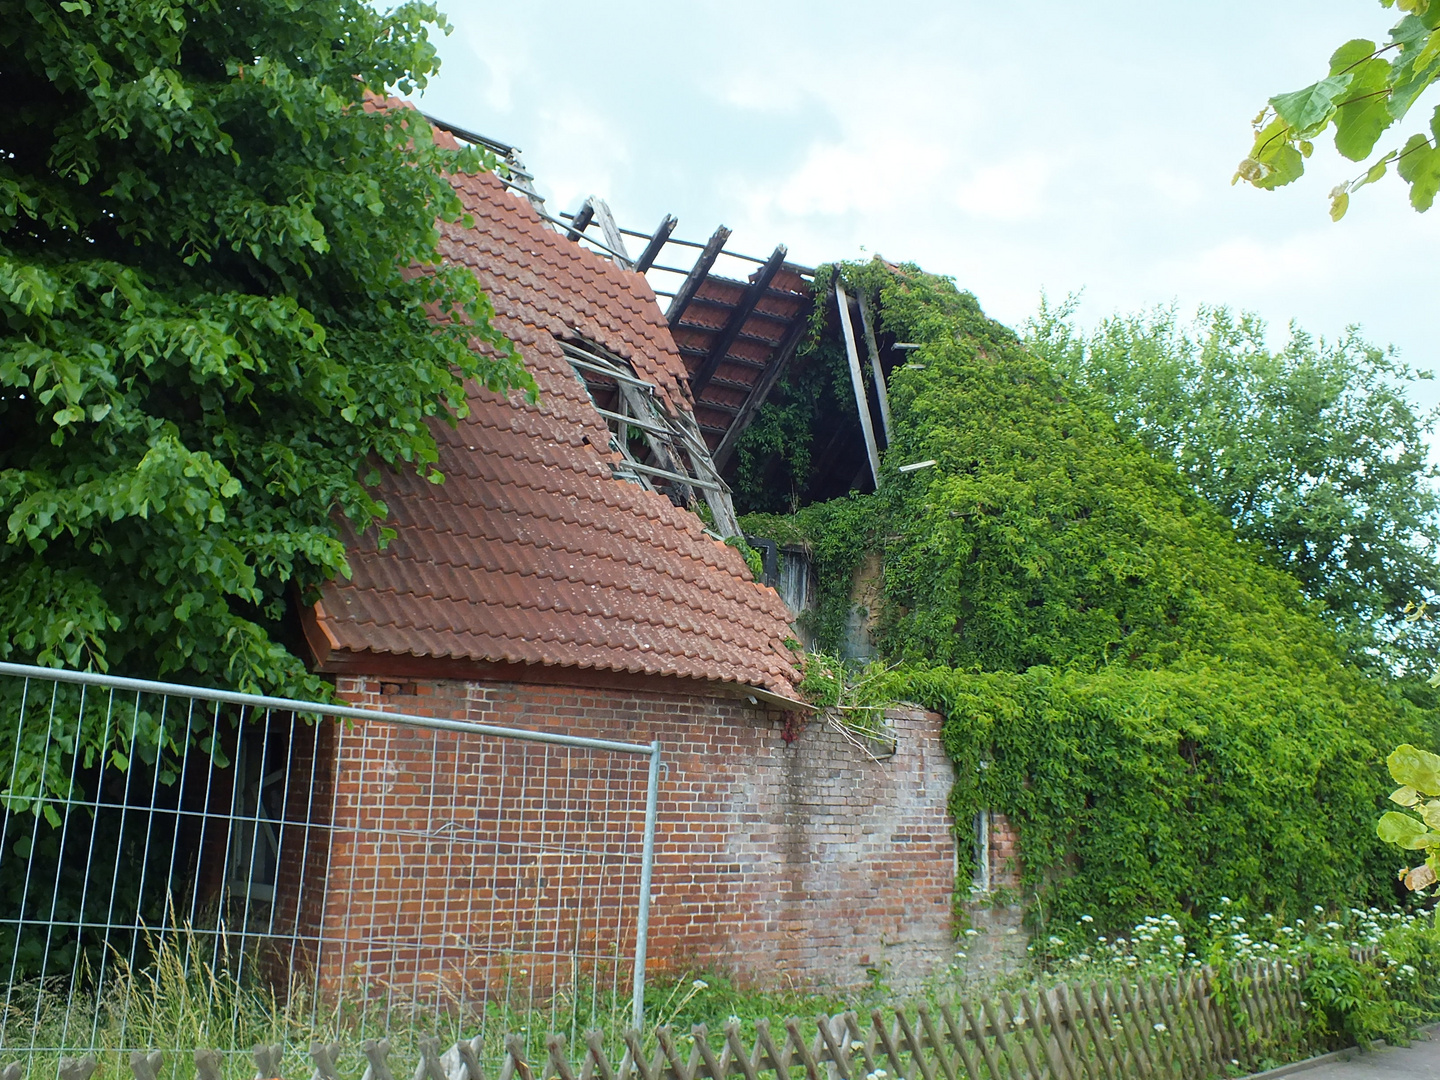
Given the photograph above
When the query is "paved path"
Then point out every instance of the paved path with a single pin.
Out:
(1418, 1061)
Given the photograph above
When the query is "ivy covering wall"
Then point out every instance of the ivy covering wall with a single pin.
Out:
(1164, 717)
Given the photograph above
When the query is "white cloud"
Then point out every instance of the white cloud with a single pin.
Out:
(1247, 263)
(1016, 147)
(1010, 190)
(579, 151)
(498, 56)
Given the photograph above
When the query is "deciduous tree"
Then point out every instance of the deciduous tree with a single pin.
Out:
(1316, 450)
(219, 293)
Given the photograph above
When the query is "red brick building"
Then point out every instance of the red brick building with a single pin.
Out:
(541, 587)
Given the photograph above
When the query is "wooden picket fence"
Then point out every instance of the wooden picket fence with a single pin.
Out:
(1181, 1027)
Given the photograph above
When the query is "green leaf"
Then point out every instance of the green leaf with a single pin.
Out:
(1309, 109)
(1430, 51)
(1405, 796)
(1419, 166)
(1415, 768)
(1274, 160)
(1376, 171)
(1401, 830)
(1351, 54)
(1339, 203)
(1363, 114)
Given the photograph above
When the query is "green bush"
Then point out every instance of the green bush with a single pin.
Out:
(1139, 791)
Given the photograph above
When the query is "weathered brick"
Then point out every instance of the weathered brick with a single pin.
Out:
(781, 863)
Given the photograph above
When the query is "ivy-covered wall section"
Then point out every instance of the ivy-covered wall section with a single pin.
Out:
(1165, 718)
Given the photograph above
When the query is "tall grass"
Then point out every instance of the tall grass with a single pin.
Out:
(191, 994)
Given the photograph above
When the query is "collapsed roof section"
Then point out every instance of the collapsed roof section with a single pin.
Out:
(737, 319)
(737, 335)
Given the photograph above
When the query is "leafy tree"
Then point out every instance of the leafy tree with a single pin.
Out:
(1369, 88)
(218, 273)
(1314, 450)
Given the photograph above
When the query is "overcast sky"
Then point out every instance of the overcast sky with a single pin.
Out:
(1055, 146)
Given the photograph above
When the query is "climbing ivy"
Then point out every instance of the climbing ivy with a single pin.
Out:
(1142, 791)
(1165, 717)
(837, 535)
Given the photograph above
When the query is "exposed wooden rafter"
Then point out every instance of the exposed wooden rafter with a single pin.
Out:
(857, 381)
(697, 275)
(738, 317)
(761, 390)
(581, 221)
(657, 241)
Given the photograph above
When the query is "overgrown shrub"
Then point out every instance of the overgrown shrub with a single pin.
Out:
(1165, 718)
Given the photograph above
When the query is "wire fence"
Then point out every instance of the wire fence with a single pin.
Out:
(185, 868)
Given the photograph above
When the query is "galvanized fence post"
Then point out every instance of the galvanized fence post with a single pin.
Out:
(647, 867)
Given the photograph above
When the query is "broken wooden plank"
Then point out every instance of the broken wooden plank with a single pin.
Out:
(611, 231)
(867, 325)
(862, 402)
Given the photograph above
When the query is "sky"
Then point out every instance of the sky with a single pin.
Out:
(1023, 149)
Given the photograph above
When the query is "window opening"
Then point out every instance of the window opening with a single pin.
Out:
(659, 450)
(981, 882)
(258, 808)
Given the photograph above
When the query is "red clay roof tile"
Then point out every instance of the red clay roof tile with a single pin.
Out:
(530, 552)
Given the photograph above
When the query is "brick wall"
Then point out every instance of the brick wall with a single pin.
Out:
(782, 863)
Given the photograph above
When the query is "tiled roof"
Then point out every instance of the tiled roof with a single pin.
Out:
(530, 552)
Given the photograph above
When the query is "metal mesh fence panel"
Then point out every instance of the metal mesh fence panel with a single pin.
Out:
(183, 868)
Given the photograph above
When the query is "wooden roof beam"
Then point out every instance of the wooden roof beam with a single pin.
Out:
(657, 241)
(737, 319)
(761, 389)
(697, 275)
